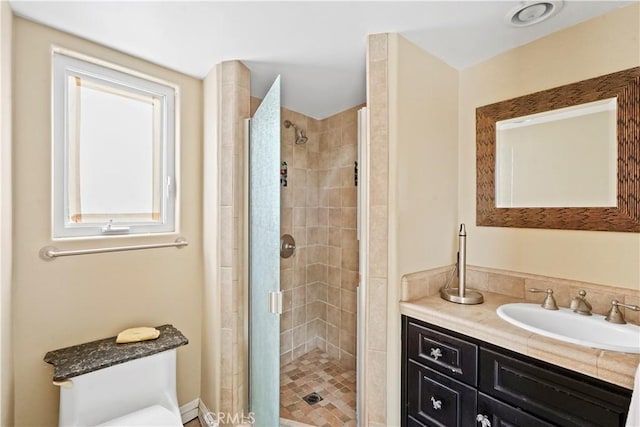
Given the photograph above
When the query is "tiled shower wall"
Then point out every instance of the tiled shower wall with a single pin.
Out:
(338, 208)
(318, 208)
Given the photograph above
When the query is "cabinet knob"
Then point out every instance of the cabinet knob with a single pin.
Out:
(437, 404)
(436, 353)
(483, 420)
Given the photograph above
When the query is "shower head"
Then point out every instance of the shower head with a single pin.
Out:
(301, 138)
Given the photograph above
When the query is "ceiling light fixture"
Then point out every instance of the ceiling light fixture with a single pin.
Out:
(532, 12)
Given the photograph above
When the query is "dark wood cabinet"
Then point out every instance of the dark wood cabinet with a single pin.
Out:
(452, 380)
(442, 401)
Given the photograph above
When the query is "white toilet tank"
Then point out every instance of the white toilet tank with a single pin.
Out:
(140, 392)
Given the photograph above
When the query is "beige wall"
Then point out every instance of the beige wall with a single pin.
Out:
(6, 367)
(599, 46)
(77, 299)
(423, 135)
(432, 181)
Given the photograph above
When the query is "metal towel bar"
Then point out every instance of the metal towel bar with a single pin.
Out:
(49, 253)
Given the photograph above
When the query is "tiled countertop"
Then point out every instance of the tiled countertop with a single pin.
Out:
(84, 358)
(481, 322)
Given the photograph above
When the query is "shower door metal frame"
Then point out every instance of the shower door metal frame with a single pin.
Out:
(363, 267)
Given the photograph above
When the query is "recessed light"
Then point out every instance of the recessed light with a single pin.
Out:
(532, 12)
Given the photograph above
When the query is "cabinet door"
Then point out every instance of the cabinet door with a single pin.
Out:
(436, 400)
(565, 399)
(502, 415)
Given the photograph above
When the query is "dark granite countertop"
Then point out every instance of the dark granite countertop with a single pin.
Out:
(84, 358)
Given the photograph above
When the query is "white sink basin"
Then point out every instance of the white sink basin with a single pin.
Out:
(565, 325)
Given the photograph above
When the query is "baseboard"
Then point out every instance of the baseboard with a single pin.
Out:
(189, 411)
(202, 415)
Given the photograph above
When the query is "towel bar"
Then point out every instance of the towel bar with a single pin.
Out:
(49, 253)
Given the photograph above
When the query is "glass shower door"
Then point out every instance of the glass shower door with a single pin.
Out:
(264, 260)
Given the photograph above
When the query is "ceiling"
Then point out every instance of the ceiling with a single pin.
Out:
(317, 47)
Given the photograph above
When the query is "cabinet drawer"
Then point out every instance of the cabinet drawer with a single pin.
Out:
(436, 400)
(559, 398)
(503, 415)
(444, 353)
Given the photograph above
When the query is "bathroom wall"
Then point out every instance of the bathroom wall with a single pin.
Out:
(422, 157)
(319, 210)
(413, 102)
(77, 299)
(6, 367)
(301, 275)
(423, 206)
(337, 213)
(599, 46)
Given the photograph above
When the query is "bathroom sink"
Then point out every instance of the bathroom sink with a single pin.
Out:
(565, 325)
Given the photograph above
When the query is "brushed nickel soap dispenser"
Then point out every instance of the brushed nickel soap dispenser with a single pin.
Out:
(461, 295)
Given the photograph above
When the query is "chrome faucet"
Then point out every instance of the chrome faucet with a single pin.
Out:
(549, 302)
(615, 315)
(580, 305)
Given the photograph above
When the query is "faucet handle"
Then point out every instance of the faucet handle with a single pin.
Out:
(549, 302)
(580, 305)
(615, 315)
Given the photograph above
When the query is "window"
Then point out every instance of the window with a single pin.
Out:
(114, 150)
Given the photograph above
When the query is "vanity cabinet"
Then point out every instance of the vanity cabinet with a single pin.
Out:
(452, 380)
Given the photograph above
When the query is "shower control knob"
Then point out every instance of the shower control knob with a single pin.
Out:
(287, 246)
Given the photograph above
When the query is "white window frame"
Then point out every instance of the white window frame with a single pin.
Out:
(67, 64)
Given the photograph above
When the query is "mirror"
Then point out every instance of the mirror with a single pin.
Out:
(563, 158)
(559, 158)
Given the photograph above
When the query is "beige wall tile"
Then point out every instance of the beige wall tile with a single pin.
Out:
(377, 48)
(285, 341)
(630, 315)
(348, 322)
(349, 280)
(348, 302)
(377, 306)
(507, 285)
(334, 276)
(299, 316)
(376, 392)
(333, 315)
(378, 235)
(347, 342)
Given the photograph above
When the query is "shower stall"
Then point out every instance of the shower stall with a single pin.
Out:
(318, 325)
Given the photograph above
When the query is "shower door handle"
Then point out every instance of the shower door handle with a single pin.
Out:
(275, 302)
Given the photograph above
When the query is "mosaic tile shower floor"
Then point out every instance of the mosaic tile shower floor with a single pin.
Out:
(317, 372)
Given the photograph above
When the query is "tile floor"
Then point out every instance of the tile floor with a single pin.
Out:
(317, 372)
(193, 423)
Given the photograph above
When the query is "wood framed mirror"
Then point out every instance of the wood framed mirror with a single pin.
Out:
(620, 213)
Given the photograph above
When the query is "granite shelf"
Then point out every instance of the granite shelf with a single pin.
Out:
(81, 359)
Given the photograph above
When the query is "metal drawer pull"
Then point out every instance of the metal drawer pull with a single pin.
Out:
(483, 420)
(437, 404)
(436, 353)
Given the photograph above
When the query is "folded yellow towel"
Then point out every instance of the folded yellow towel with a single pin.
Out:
(137, 334)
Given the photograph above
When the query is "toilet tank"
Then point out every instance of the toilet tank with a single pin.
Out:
(99, 396)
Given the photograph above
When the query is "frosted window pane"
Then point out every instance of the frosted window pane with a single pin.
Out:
(115, 157)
